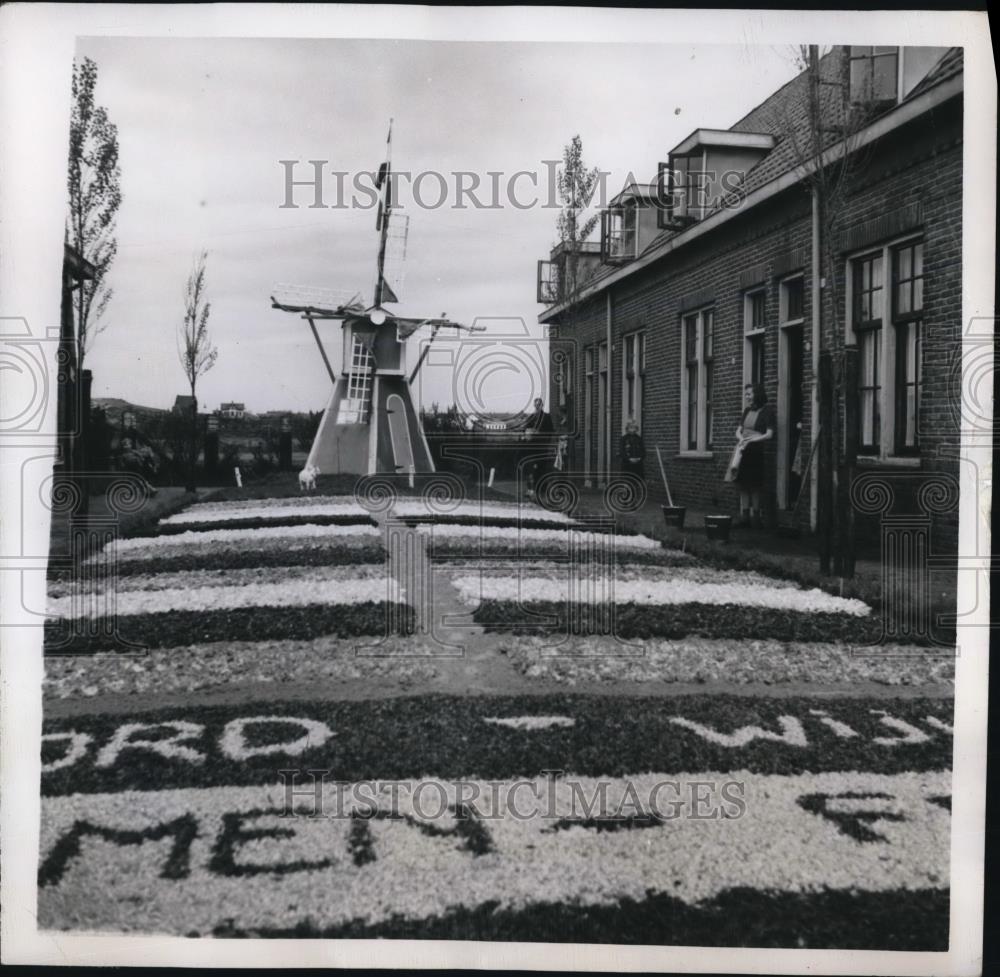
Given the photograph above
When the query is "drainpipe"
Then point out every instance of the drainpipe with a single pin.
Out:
(608, 414)
(817, 297)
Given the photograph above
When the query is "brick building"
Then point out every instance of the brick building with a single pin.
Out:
(709, 278)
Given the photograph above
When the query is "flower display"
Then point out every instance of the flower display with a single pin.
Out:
(605, 589)
(137, 546)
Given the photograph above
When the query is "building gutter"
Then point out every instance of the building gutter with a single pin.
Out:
(817, 335)
(877, 130)
(609, 386)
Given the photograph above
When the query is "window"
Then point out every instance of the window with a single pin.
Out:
(633, 370)
(907, 315)
(618, 233)
(874, 74)
(887, 302)
(867, 319)
(697, 380)
(792, 303)
(548, 291)
(754, 321)
(677, 206)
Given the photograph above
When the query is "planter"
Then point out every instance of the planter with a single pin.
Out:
(718, 527)
(673, 515)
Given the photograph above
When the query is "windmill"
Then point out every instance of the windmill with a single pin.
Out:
(370, 423)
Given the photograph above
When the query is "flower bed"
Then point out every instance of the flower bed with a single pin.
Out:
(296, 592)
(150, 547)
(679, 621)
(487, 514)
(465, 542)
(165, 629)
(186, 668)
(220, 577)
(739, 661)
(238, 521)
(291, 502)
(686, 569)
(345, 552)
(657, 593)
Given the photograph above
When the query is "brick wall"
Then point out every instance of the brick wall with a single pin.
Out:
(918, 170)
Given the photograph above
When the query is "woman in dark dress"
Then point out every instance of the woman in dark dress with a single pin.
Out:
(756, 426)
(633, 451)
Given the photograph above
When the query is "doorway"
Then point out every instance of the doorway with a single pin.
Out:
(791, 416)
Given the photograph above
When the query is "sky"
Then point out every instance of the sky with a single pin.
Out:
(204, 124)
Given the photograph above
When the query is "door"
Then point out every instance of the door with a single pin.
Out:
(791, 409)
(399, 433)
(603, 409)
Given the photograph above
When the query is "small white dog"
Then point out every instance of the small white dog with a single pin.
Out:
(307, 478)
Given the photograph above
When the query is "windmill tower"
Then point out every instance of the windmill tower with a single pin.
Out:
(370, 423)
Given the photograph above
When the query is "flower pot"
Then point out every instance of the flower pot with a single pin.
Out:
(717, 527)
(673, 515)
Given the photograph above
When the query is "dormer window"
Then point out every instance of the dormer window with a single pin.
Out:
(704, 172)
(874, 75)
(619, 235)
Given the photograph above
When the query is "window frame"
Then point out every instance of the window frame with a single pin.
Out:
(909, 323)
(784, 318)
(625, 233)
(870, 58)
(887, 447)
(634, 370)
(754, 342)
(700, 368)
(548, 289)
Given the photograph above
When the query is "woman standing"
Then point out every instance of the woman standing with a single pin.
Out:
(633, 451)
(756, 426)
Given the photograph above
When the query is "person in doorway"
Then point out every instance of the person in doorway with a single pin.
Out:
(633, 451)
(756, 426)
(539, 425)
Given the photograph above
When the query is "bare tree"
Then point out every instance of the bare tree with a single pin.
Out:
(195, 348)
(94, 184)
(830, 157)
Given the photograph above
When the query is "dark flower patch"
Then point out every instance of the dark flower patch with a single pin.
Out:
(337, 554)
(681, 621)
(258, 522)
(176, 628)
(446, 737)
(500, 522)
(895, 919)
(452, 548)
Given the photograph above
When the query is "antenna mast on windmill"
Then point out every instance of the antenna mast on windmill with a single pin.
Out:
(370, 423)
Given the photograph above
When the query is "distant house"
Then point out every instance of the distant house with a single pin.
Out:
(233, 409)
(183, 404)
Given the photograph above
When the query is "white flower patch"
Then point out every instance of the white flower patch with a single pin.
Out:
(530, 722)
(239, 505)
(493, 510)
(508, 535)
(233, 741)
(775, 846)
(149, 547)
(171, 747)
(600, 589)
(272, 512)
(791, 733)
(289, 593)
(78, 743)
(244, 576)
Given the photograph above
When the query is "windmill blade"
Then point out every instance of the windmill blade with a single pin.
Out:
(322, 301)
(394, 270)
